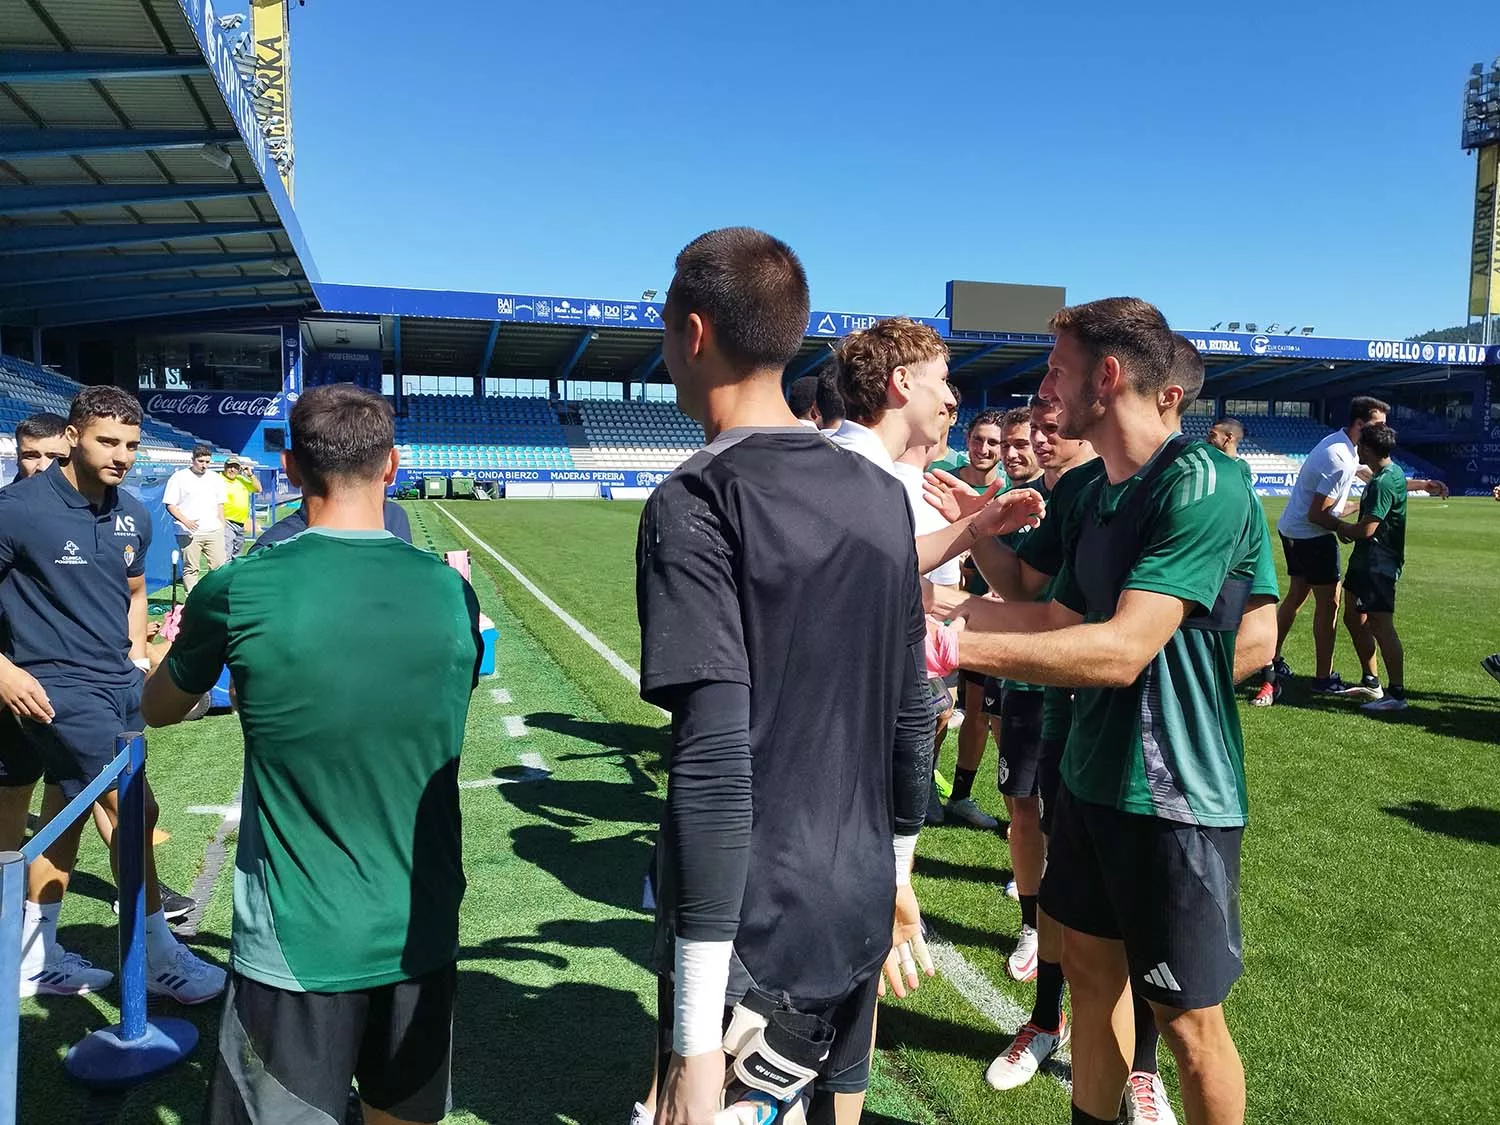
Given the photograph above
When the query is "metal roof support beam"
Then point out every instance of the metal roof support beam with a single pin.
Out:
(82, 197)
(1219, 372)
(565, 369)
(154, 308)
(489, 353)
(106, 236)
(819, 358)
(39, 271)
(1396, 376)
(642, 374)
(1337, 376)
(960, 364)
(20, 143)
(1261, 379)
(66, 294)
(1011, 374)
(86, 66)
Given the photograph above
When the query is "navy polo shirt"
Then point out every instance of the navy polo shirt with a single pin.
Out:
(63, 571)
(295, 523)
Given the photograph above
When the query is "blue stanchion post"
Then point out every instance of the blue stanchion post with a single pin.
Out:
(135, 1048)
(12, 903)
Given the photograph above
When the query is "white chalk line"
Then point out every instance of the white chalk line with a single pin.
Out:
(967, 981)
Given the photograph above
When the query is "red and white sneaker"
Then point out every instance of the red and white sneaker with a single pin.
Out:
(1148, 1103)
(1022, 963)
(1025, 1054)
(1265, 696)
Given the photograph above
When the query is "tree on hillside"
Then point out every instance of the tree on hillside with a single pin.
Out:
(1459, 334)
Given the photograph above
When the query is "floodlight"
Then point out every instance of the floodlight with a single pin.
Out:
(1216, 327)
(218, 156)
(282, 268)
(1274, 326)
(1292, 331)
(1309, 330)
(648, 295)
(1234, 326)
(1249, 327)
(229, 23)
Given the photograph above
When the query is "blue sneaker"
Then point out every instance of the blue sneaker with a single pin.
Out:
(1333, 685)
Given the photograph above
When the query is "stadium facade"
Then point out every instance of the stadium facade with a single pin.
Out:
(148, 239)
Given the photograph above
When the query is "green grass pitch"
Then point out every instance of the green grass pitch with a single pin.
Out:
(1371, 877)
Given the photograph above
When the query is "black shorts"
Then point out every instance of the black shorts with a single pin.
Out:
(1049, 779)
(1169, 891)
(21, 764)
(847, 1069)
(994, 696)
(1315, 561)
(968, 679)
(79, 742)
(291, 1056)
(1371, 593)
(1018, 767)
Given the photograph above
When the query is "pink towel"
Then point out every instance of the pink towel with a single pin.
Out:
(459, 561)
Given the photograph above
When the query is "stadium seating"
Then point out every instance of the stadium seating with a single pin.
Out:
(463, 432)
(636, 435)
(26, 388)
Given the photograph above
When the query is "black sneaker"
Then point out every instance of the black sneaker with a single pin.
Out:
(1281, 667)
(174, 907)
(1333, 685)
(1491, 664)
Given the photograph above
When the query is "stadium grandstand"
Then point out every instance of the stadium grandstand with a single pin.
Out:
(148, 238)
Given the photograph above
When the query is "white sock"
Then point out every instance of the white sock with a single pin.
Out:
(160, 940)
(640, 1115)
(38, 935)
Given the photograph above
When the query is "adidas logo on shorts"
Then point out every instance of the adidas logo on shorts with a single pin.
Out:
(1162, 977)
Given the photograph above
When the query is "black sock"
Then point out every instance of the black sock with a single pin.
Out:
(1081, 1118)
(963, 783)
(1146, 1037)
(1397, 690)
(1268, 674)
(1046, 1011)
(1028, 911)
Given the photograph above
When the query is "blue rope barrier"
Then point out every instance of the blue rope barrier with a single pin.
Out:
(49, 832)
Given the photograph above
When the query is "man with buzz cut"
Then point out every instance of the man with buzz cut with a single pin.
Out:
(349, 874)
(802, 399)
(1150, 624)
(73, 593)
(791, 820)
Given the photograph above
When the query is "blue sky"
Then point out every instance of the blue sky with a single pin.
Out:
(1287, 162)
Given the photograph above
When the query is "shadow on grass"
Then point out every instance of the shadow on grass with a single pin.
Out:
(650, 744)
(961, 934)
(1471, 718)
(610, 871)
(930, 868)
(1475, 824)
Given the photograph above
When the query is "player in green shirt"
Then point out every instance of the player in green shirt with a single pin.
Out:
(348, 876)
(1379, 538)
(1160, 562)
(944, 458)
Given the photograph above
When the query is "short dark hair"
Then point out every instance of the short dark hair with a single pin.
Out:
(104, 402)
(987, 418)
(1128, 328)
(201, 450)
(1016, 416)
(958, 399)
(750, 287)
(1362, 406)
(340, 430)
(1187, 370)
(802, 395)
(39, 427)
(1379, 439)
(1235, 427)
(1037, 402)
(830, 401)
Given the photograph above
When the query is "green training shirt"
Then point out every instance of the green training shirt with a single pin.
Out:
(1014, 541)
(1384, 552)
(353, 655)
(1169, 745)
(1043, 550)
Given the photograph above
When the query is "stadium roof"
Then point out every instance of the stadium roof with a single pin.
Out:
(135, 181)
(433, 332)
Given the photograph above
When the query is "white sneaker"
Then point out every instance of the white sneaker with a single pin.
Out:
(1011, 892)
(971, 814)
(66, 974)
(184, 976)
(956, 719)
(640, 1115)
(1019, 1062)
(1382, 706)
(1022, 963)
(1148, 1103)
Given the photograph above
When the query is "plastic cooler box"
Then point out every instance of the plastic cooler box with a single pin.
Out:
(489, 635)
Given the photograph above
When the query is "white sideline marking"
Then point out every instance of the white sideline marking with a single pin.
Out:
(515, 726)
(611, 657)
(533, 761)
(533, 768)
(968, 981)
(228, 812)
(500, 695)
